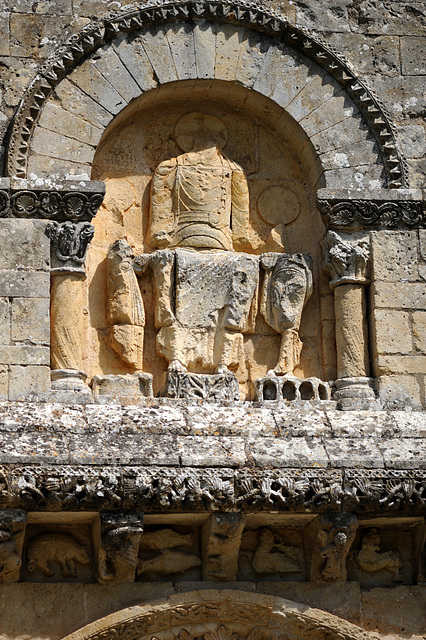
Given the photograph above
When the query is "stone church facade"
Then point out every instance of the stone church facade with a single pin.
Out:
(212, 320)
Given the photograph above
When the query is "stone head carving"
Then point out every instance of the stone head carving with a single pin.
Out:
(199, 199)
(286, 288)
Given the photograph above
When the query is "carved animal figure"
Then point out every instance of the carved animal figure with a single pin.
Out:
(168, 561)
(274, 557)
(56, 547)
(371, 560)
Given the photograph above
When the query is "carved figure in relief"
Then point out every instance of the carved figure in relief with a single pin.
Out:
(198, 220)
(287, 286)
(371, 560)
(10, 555)
(62, 548)
(168, 560)
(335, 538)
(125, 313)
(271, 556)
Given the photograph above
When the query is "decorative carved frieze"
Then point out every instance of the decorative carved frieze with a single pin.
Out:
(348, 214)
(217, 386)
(153, 489)
(64, 201)
(96, 34)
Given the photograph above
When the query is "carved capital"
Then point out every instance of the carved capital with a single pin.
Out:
(345, 260)
(69, 242)
(120, 537)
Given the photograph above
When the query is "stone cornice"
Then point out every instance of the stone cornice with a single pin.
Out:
(376, 209)
(65, 201)
(240, 12)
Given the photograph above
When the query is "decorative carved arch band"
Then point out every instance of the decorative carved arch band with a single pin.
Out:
(221, 615)
(235, 14)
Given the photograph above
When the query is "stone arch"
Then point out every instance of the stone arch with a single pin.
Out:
(111, 63)
(221, 615)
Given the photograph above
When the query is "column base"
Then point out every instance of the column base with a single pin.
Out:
(356, 394)
(69, 380)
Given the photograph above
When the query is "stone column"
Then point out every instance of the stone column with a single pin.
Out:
(69, 243)
(346, 261)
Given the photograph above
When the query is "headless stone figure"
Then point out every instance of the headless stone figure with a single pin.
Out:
(198, 220)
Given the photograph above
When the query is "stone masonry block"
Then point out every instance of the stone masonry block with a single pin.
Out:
(111, 67)
(395, 256)
(413, 56)
(24, 354)
(24, 284)
(204, 46)
(181, 41)
(369, 55)
(4, 383)
(4, 34)
(50, 143)
(4, 321)
(390, 364)
(24, 244)
(92, 82)
(158, 51)
(399, 392)
(419, 330)
(134, 58)
(399, 295)
(228, 43)
(55, 118)
(82, 105)
(31, 320)
(27, 31)
(28, 383)
(392, 332)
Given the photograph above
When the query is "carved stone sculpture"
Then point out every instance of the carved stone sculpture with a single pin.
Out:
(221, 543)
(273, 556)
(12, 531)
(346, 261)
(125, 312)
(61, 548)
(287, 286)
(120, 538)
(335, 537)
(170, 559)
(198, 219)
(69, 243)
(371, 560)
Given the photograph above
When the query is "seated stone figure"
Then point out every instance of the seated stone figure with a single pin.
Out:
(198, 220)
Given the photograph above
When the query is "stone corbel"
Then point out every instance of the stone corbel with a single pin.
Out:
(119, 549)
(221, 540)
(334, 538)
(12, 532)
(346, 260)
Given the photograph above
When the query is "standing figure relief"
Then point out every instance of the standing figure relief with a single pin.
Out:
(205, 274)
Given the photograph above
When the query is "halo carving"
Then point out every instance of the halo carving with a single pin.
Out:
(239, 12)
(221, 615)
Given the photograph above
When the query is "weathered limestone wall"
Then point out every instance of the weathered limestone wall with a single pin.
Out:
(384, 42)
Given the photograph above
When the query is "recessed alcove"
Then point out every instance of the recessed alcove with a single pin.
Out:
(282, 171)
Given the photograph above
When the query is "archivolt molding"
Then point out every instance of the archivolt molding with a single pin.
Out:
(221, 615)
(238, 12)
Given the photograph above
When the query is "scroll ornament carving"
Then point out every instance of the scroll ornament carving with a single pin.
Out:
(367, 214)
(52, 205)
(61, 548)
(346, 260)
